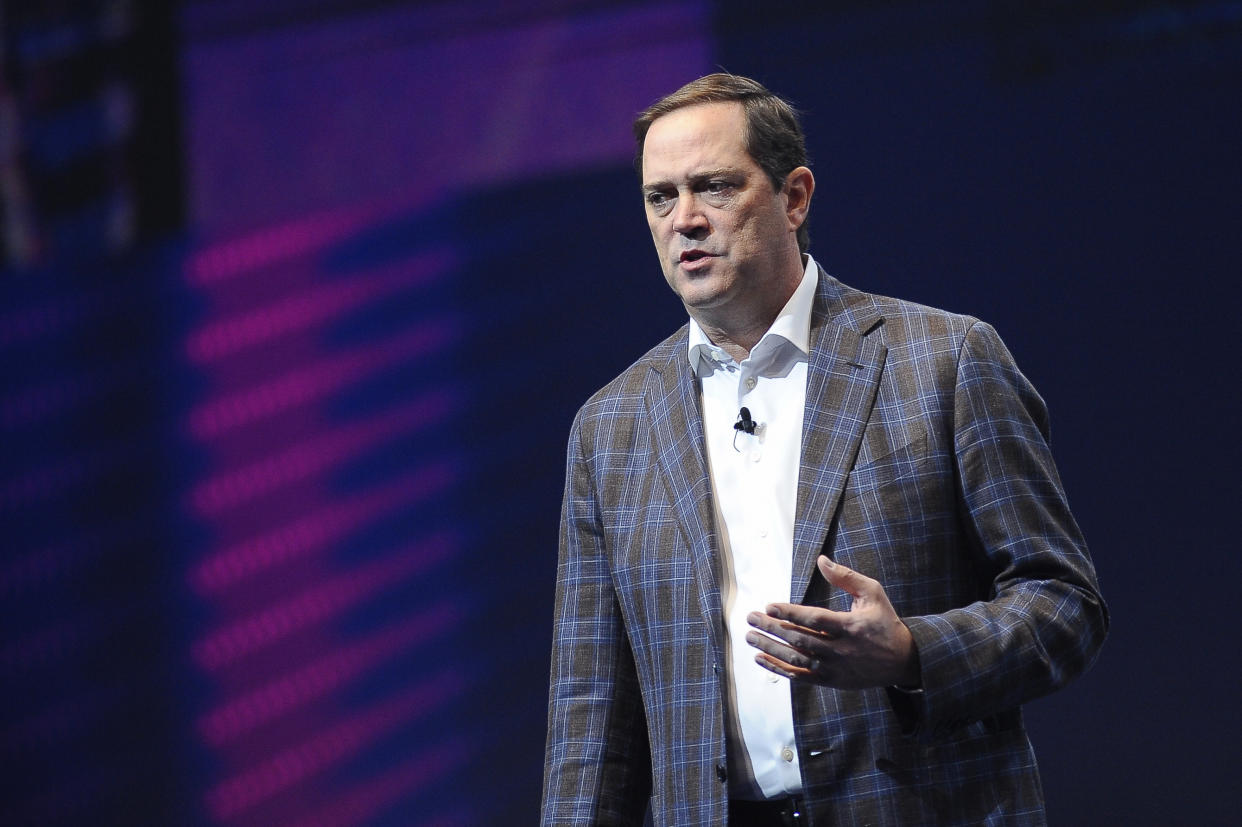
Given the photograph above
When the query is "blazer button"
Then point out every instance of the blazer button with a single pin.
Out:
(722, 773)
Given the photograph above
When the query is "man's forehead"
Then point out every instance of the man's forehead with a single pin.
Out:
(719, 120)
(696, 138)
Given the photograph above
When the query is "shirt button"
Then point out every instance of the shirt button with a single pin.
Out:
(763, 532)
(750, 383)
(756, 455)
(787, 754)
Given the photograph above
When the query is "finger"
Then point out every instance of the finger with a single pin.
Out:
(812, 619)
(774, 665)
(780, 667)
(846, 579)
(790, 658)
(794, 645)
(812, 670)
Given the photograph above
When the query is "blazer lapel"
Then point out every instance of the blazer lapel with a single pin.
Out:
(673, 409)
(843, 373)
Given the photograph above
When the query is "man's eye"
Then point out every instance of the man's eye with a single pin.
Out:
(657, 199)
(717, 187)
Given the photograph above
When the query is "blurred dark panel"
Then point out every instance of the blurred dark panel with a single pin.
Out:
(91, 156)
(90, 200)
(88, 580)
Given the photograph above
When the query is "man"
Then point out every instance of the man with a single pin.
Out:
(830, 610)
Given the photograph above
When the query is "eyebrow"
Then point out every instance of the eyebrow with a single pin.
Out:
(694, 177)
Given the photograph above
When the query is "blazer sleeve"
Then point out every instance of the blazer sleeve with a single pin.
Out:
(1044, 620)
(597, 761)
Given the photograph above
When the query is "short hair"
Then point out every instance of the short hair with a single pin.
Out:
(773, 133)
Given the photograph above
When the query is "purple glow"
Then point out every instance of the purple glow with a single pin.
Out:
(486, 96)
(317, 530)
(323, 675)
(330, 747)
(314, 457)
(289, 240)
(319, 604)
(318, 304)
(365, 800)
(317, 380)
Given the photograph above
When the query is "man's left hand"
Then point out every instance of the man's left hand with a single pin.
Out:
(864, 647)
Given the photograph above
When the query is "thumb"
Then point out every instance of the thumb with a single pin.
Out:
(840, 576)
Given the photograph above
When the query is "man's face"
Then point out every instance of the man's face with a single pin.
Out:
(720, 228)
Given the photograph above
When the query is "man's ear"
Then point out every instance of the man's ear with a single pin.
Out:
(799, 187)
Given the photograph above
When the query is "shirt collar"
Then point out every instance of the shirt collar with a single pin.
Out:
(793, 324)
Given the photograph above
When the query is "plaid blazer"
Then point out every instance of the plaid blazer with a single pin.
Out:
(925, 464)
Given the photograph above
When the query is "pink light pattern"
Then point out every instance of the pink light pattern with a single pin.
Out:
(361, 803)
(285, 585)
(314, 456)
(303, 236)
(316, 531)
(323, 675)
(331, 747)
(317, 305)
(317, 380)
(321, 603)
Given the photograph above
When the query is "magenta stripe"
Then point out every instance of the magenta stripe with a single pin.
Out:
(315, 457)
(317, 605)
(311, 307)
(329, 748)
(322, 676)
(317, 380)
(316, 531)
(362, 802)
(303, 236)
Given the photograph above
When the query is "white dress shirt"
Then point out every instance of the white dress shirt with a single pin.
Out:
(755, 483)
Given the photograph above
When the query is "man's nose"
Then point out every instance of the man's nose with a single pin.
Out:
(688, 218)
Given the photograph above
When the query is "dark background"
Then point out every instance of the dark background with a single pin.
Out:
(299, 299)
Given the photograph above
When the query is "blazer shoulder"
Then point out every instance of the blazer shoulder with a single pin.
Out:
(902, 319)
(624, 394)
(910, 331)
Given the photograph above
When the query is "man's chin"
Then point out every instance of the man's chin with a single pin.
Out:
(696, 287)
(700, 301)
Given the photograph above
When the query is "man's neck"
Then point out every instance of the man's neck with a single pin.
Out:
(737, 334)
(736, 343)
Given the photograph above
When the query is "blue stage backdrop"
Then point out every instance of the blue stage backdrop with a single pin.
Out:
(300, 297)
